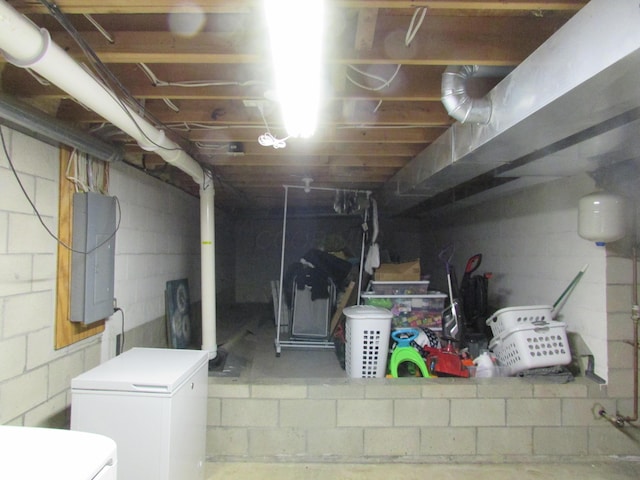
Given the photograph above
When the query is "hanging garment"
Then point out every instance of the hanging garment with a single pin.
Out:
(373, 255)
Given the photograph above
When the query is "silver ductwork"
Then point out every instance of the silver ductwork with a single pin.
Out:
(457, 101)
(572, 106)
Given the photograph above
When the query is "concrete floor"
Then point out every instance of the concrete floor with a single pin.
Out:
(246, 333)
(614, 470)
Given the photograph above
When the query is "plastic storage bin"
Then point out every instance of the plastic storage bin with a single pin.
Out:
(411, 303)
(530, 346)
(399, 288)
(367, 341)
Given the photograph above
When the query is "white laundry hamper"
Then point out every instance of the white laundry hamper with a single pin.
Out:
(367, 341)
(527, 337)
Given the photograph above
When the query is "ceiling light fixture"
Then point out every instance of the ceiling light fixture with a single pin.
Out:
(296, 30)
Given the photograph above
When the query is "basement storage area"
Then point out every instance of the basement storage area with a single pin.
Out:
(450, 279)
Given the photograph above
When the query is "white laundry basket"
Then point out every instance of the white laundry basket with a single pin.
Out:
(367, 336)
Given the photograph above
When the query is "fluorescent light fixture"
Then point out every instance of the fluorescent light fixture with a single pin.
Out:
(296, 30)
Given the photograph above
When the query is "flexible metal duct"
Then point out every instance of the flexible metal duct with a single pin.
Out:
(25, 45)
(546, 122)
(456, 99)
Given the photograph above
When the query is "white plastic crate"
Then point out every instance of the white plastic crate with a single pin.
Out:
(508, 319)
(529, 347)
(367, 341)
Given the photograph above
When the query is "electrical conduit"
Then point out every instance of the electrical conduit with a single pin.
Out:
(25, 45)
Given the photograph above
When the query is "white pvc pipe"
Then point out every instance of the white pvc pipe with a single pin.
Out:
(208, 268)
(25, 45)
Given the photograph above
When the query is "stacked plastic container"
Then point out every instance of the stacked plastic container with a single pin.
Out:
(367, 341)
(528, 337)
(411, 303)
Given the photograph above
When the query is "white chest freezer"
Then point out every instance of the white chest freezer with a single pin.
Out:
(153, 403)
(28, 453)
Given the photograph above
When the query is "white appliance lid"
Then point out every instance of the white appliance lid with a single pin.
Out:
(151, 370)
(29, 453)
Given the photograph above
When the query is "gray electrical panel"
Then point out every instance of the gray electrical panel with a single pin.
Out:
(93, 257)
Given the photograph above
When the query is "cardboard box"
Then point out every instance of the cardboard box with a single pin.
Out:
(393, 272)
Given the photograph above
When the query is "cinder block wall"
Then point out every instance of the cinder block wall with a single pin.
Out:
(34, 378)
(412, 420)
(530, 242)
(157, 241)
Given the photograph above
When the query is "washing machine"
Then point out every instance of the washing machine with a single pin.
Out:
(28, 453)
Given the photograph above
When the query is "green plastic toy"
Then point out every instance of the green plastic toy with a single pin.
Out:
(404, 352)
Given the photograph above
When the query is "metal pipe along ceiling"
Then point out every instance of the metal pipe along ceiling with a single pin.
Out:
(25, 45)
(31, 121)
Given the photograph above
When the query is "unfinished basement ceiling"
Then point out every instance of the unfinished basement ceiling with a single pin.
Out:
(368, 137)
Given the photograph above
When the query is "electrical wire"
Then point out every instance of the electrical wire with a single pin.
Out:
(187, 127)
(99, 27)
(37, 213)
(170, 104)
(89, 175)
(75, 178)
(267, 139)
(121, 346)
(360, 126)
(210, 172)
(156, 82)
(414, 26)
(107, 79)
(211, 146)
(385, 82)
(41, 80)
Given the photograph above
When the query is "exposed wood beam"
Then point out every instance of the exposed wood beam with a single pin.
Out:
(366, 28)
(298, 149)
(447, 40)
(413, 83)
(231, 113)
(319, 150)
(245, 6)
(319, 161)
(419, 135)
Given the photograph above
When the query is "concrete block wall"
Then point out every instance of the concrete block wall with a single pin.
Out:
(34, 377)
(412, 420)
(529, 241)
(620, 332)
(158, 241)
(258, 246)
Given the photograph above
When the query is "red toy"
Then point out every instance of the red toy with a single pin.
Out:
(446, 361)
